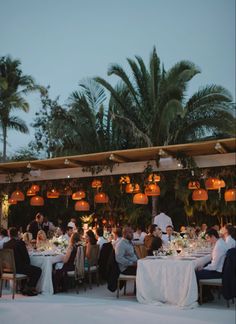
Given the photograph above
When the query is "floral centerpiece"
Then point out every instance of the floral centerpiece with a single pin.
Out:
(179, 241)
(59, 241)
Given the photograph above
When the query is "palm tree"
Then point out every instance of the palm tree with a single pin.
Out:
(84, 126)
(156, 102)
(207, 114)
(13, 86)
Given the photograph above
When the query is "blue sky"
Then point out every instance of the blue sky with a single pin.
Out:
(60, 42)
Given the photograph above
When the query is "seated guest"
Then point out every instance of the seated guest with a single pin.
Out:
(59, 275)
(35, 225)
(41, 239)
(124, 253)
(182, 230)
(228, 232)
(22, 262)
(152, 240)
(117, 236)
(214, 269)
(27, 238)
(139, 235)
(3, 237)
(90, 240)
(100, 239)
(68, 233)
(72, 223)
(191, 233)
(168, 237)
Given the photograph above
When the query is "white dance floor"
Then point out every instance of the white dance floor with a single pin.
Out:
(101, 306)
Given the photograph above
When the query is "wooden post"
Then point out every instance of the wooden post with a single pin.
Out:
(4, 212)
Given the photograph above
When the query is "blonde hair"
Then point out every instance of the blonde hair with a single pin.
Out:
(27, 237)
(44, 236)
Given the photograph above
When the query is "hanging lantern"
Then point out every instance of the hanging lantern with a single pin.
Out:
(140, 199)
(30, 192)
(153, 177)
(12, 201)
(124, 180)
(78, 195)
(18, 195)
(136, 188)
(37, 201)
(66, 191)
(101, 198)
(129, 188)
(222, 183)
(53, 194)
(200, 195)
(230, 195)
(96, 183)
(152, 190)
(35, 188)
(212, 184)
(193, 185)
(82, 205)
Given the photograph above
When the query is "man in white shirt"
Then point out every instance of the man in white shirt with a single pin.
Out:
(100, 239)
(214, 269)
(162, 221)
(138, 236)
(168, 237)
(227, 232)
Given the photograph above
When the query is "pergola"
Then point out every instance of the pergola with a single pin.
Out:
(207, 154)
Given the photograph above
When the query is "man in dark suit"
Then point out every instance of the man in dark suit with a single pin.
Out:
(22, 262)
(36, 225)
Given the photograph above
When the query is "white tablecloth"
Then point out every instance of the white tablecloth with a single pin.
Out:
(169, 280)
(45, 285)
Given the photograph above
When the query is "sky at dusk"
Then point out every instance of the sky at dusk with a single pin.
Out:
(61, 42)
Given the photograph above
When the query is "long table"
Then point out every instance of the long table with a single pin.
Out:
(45, 262)
(169, 280)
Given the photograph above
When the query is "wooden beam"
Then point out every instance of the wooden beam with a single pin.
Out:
(166, 164)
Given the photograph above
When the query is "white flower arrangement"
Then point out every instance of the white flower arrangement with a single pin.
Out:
(59, 241)
(180, 241)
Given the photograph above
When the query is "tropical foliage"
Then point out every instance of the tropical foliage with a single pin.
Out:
(14, 85)
(154, 108)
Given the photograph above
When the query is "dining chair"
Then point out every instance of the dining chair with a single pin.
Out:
(227, 283)
(92, 264)
(125, 279)
(78, 273)
(8, 270)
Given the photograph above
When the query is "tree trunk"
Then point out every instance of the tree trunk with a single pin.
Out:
(4, 154)
(154, 207)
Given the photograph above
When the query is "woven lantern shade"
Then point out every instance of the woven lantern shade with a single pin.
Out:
(129, 188)
(35, 187)
(18, 195)
(200, 195)
(96, 183)
(153, 177)
(140, 199)
(152, 190)
(66, 191)
(82, 205)
(12, 201)
(222, 183)
(192, 185)
(30, 192)
(136, 188)
(37, 201)
(230, 195)
(101, 198)
(78, 195)
(53, 194)
(212, 184)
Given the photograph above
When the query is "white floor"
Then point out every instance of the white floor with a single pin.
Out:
(99, 306)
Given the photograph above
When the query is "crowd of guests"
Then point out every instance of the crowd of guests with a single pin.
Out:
(119, 241)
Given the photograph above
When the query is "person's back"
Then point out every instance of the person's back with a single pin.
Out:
(162, 221)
